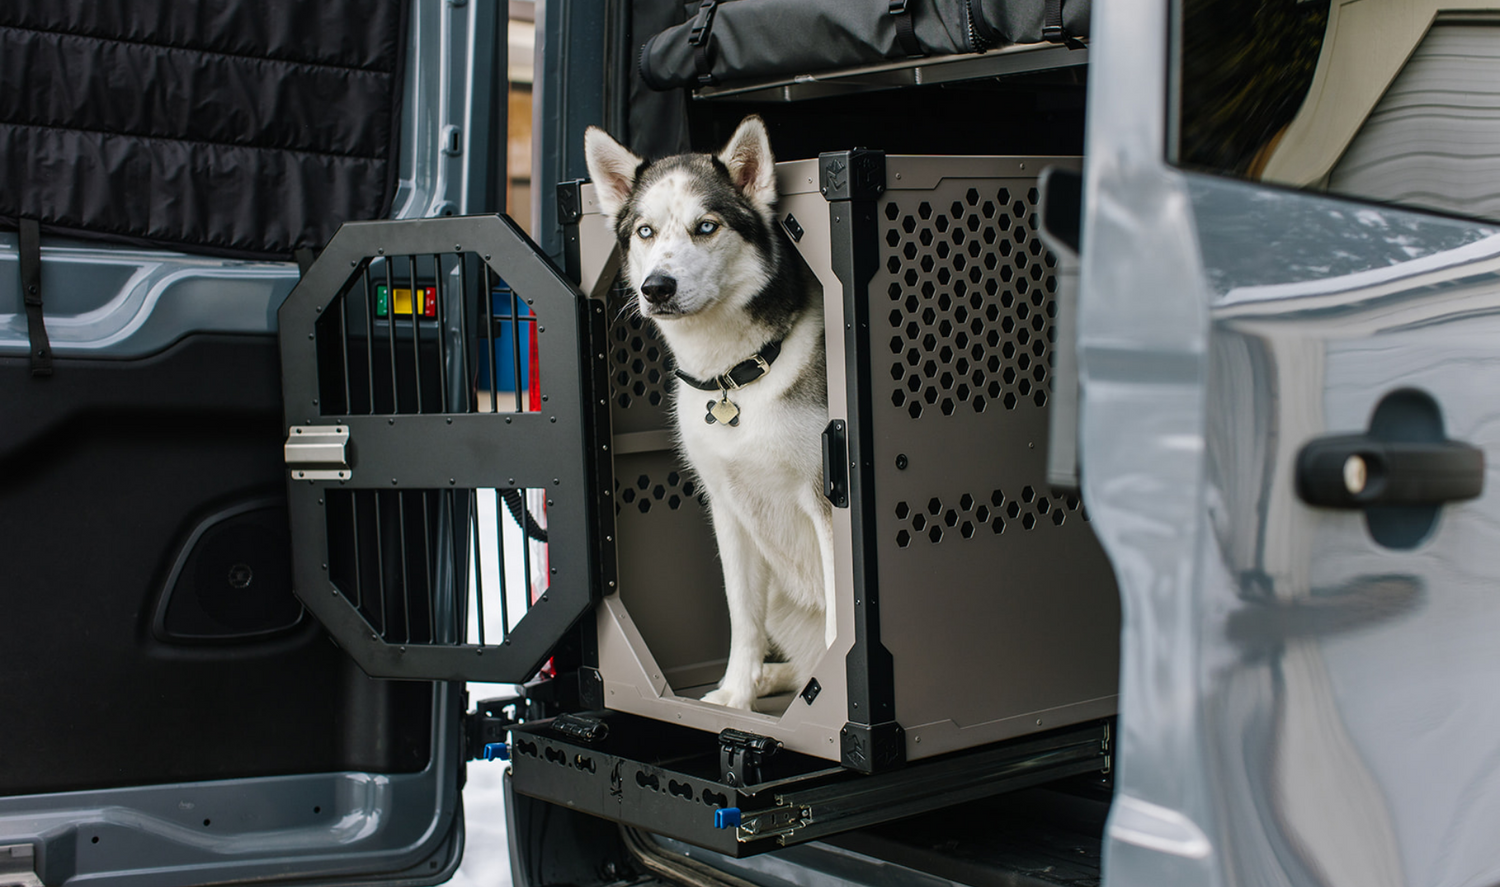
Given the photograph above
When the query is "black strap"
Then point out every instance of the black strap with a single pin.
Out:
(698, 37)
(906, 30)
(742, 374)
(1052, 26)
(31, 291)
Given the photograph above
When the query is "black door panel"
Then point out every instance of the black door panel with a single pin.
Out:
(111, 473)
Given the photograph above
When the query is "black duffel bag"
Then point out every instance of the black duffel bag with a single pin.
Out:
(729, 40)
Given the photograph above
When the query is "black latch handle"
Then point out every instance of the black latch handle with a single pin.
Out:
(836, 464)
(1358, 471)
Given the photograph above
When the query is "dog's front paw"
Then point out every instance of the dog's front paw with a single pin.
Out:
(728, 697)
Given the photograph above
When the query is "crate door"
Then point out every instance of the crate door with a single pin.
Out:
(436, 457)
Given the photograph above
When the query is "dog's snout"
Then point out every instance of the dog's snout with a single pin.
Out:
(658, 288)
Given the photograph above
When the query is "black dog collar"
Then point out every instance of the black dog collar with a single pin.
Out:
(742, 374)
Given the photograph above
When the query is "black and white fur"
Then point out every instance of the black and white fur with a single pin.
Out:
(709, 266)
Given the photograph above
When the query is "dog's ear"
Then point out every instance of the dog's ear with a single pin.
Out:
(612, 168)
(751, 166)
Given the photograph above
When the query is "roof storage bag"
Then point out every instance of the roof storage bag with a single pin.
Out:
(237, 127)
(729, 40)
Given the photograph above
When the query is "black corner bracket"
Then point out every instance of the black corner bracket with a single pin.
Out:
(872, 748)
(570, 201)
(590, 688)
(858, 174)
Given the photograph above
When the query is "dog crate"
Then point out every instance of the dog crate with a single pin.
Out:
(974, 603)
(481, 459)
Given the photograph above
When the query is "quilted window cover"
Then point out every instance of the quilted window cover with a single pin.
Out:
(234, 127)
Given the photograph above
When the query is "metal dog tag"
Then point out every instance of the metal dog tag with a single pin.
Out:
(723, 411)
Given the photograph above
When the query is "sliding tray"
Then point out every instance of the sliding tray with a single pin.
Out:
(739, 795)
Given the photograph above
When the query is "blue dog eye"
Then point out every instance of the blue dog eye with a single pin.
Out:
(645, 232)
(706, 227)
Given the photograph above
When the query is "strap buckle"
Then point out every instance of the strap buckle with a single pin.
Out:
(727, 381)
(897, 7)
(703, 22)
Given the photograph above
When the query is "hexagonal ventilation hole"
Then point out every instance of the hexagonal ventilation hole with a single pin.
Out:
(982, 295)
(639, 362)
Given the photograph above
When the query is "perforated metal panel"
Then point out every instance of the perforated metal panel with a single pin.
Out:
(640, 366)
(984, 569)
(972, 305)
(996, 513)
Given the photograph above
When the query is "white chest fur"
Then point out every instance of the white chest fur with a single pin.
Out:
(771, 458)
(763, 477)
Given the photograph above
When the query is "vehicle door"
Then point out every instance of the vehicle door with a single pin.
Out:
(170, 713)
(1289, 344)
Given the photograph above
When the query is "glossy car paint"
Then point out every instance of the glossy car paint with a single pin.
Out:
(1299, 705)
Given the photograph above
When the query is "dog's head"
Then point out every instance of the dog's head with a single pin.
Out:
(694, 229)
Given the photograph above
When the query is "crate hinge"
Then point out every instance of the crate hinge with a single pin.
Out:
(318, 452)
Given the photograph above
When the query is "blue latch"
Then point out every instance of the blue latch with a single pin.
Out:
(496, 751)
(729, 817)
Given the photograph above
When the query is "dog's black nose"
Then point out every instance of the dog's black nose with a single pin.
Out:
(658, 288)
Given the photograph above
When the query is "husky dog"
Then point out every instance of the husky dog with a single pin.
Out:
(744, 321)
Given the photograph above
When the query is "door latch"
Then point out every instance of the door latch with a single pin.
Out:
(318, 452)
(836, 464)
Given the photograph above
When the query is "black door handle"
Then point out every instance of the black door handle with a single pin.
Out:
(1359, 471)
(836, 464)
